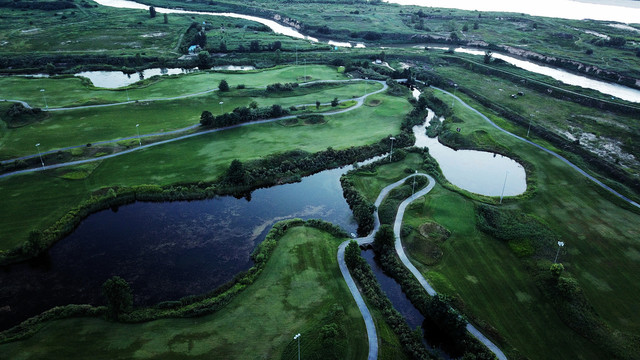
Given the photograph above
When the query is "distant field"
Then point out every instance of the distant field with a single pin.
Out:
(82, 126)
(299, 288)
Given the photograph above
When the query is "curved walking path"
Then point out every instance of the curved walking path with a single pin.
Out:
(369, 324)
(359, 103)
(559, 157)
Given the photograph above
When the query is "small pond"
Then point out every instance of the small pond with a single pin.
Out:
(116, 79)
(165, 250)
(479, 172)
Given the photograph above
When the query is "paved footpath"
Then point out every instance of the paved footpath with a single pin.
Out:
(359, 103)
(369, 324)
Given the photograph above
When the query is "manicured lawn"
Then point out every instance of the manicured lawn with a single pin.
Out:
(295, 294)
(82, 126)
(71, 91)
(36, 200)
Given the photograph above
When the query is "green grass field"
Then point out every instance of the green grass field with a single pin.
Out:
(82, 126)
(297, 290)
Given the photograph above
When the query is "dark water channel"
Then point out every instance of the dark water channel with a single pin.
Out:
(400, 301)
(164, 250)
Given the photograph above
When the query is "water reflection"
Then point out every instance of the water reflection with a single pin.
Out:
(165, 250)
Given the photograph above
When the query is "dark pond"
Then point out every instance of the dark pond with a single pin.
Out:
(164, 250)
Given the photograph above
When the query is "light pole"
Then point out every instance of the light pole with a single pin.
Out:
(391, 153)
(41, 161)
(455, 87)
(560, 244)
(297, 337)
(413, 190)
(365, 86)
(45, 99)
(138, 129)
(128, 95)
(503, 185)
(221, 111)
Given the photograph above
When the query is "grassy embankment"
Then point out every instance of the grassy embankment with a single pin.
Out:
(35, 201)
(300, 291)
(493, 285)
(97, 124)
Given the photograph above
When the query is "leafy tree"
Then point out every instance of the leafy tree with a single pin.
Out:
(119, 296)
(317, 104)
(384, 238)
(152, 12)
(334, 102)
(352, 254)
(276, 110)
(487, 56)
(454, 37)
(254, 46)
(34, 245)
(253, 105)
(224, 85)
(465, 27)
(51, 69)
(236, 172)
(204, 60)
(206, 118)
(476, 25)
(223, 46)
(166, 19)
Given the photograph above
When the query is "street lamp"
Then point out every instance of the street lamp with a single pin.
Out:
(139, 140)
(391, 153)
(44, 98)
(221, 111)
(41, 161)
(128, 99)
(297, 337)
(413, 190)
(503, 185)
(455, 87)
(365, 86)
(560, 244)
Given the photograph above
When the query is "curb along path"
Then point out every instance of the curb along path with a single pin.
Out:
(370, 326)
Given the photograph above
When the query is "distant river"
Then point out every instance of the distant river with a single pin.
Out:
(626, 11)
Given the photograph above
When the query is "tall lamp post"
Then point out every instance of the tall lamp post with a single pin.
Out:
(365, 86)
(455, 87)
(297, 337)
(560, 244)
(391, 152)
(139, 140)
(41, 161)
(221, 111)
(413, 190)
(45, 99)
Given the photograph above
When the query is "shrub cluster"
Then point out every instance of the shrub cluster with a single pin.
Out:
(278, 87)
(241, 115)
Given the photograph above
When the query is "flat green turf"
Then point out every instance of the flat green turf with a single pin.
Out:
(297, 289)
(82, 126)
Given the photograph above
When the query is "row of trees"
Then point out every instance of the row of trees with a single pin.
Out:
(241, 115)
